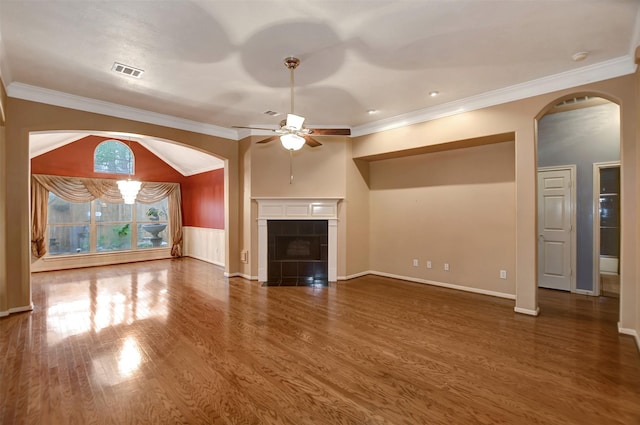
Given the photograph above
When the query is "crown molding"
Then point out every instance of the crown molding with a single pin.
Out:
(66, 100)
(597, 72)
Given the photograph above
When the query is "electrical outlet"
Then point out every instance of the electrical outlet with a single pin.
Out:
(415, 262)
(503, 274)
(446, 267)
(428, 264)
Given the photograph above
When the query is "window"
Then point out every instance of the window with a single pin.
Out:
(113, 156)
(99, 226)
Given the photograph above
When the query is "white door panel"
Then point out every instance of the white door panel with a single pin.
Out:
(554, 229)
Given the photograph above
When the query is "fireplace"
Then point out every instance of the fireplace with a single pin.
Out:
(307, 251)
(297, 252)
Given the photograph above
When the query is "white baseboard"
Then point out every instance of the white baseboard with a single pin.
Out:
(353, 276)
(16, 310)
(527, 311)
(631, 332)
(446, 285)
(206, 260)
(242, 275)
(584, 292)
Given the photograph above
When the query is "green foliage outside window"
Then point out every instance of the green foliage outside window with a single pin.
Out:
(112, 156)
(98, 226)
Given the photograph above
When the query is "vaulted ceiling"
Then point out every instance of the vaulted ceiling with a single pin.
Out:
(216, 64)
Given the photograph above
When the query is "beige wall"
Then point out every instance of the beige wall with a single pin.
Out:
(318, 172)
(519, 118)
(4, 300)
(452, 207)
(357, 223)
(329, 171)
(25, 116)
(637, 196)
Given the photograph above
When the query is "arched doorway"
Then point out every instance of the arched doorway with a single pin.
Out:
(578, 136)
(200, 174)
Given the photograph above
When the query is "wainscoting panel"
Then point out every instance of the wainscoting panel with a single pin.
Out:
(204, 244)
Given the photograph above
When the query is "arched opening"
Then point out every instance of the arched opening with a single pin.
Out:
(578, 154)
(200, 174)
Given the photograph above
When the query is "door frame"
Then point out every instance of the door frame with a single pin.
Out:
(572, 237)
(597, 166)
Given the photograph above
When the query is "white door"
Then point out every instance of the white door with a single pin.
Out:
(554, 229)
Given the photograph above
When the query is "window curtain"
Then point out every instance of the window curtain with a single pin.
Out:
(78, 189)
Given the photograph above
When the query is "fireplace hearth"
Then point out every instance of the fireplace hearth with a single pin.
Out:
(297, 253)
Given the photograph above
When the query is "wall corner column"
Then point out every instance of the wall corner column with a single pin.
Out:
(526, 248)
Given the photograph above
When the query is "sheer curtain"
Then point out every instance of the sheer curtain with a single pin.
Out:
(79, 189)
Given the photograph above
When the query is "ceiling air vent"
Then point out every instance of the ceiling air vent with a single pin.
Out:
(272, 113)
(127, 70)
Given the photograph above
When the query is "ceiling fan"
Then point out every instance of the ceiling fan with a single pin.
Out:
(292, 133)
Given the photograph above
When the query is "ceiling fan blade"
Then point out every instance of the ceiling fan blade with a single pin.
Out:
(270, 139)
(253, 128)
(330, 131)
(312, 142)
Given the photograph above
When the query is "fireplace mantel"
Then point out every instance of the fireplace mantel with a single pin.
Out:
(298, 209)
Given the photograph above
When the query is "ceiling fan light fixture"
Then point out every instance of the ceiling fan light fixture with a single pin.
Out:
(292, 142)
(294, 122)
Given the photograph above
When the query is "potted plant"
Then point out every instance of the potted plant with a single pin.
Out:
(154, 214)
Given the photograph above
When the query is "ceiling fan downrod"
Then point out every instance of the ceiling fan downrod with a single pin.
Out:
(291, 63)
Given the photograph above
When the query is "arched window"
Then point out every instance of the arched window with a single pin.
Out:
(114, 157)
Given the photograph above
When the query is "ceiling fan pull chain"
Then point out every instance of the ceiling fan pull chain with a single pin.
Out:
(290, 166)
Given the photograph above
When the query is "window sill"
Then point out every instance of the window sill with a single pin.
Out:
(72, 261)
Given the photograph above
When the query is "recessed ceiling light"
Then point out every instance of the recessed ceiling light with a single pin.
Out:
(579, 56)
(372, 111)
(434, 93)
(127, 70)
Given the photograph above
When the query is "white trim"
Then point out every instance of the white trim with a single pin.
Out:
(355, 275)
(16, 310)
(596, 219)
(617, 67)
(527, 311)
(298, 209)
(445, 285)
(92, 259)
(631, 332)
(242, 275)
(206, 260)
(584, 292)
(574, 220)
(66, 100)
(612, 68)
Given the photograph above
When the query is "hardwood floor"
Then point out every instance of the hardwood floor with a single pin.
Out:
(173, 342)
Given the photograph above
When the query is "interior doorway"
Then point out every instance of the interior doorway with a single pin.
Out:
(556, 224)
(606, 229)
(581, 131)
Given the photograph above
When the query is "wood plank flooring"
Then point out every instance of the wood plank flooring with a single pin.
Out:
(173, 342)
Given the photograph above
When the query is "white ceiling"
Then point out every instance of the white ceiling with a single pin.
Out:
(210, 65)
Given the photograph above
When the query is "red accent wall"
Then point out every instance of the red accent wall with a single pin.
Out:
(202, 194)
(76, 160)
(203, 200)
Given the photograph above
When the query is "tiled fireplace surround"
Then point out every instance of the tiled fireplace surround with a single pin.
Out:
(297, 209)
